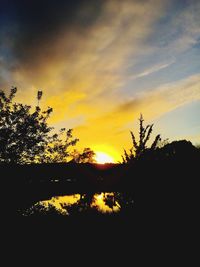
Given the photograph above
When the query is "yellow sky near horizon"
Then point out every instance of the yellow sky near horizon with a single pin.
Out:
(105, 64)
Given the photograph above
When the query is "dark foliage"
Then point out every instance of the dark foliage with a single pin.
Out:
(26, 137)
(140, 148)
(83, 157)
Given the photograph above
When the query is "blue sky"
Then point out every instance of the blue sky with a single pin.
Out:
(102, 63)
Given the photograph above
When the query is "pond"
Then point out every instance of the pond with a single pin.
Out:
(101, 202)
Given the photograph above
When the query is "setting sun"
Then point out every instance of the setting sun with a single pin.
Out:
(102, 158)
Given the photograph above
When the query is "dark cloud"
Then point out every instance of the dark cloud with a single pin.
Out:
(128, 106)
(32, 26)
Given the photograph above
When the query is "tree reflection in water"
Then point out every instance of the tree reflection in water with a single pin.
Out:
(102, 202)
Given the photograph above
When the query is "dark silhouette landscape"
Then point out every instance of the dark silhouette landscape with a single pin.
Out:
(154, 183)
(99, 132)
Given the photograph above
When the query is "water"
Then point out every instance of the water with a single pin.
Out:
(103, 202)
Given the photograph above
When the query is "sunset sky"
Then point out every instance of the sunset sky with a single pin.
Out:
(100, 63)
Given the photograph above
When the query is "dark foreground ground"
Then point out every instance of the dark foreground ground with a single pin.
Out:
(163, 219)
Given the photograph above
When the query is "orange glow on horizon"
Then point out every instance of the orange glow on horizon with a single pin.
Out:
(105, 153)
(102, 157)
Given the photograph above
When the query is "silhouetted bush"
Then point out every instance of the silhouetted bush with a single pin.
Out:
(140, 148)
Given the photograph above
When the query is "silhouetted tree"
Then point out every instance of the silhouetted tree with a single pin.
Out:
(197, 147)
(139, 148)
(110, 200)
(39, 96)
(87, 156)
(26, 137)
(178, 150)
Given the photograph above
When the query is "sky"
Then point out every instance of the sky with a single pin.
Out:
(100, 63)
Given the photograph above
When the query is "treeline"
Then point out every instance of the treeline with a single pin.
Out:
(26, 137)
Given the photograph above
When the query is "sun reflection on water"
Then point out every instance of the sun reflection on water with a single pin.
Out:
(104, 202)
(100, 203)
(60, 203)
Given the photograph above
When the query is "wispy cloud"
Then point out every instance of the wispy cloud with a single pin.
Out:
(153, 105)
(87, 61)
(165, 98)
(81, 55)
(182, 31)
(152, 69)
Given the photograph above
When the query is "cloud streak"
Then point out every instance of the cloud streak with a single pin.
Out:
(152, 69)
